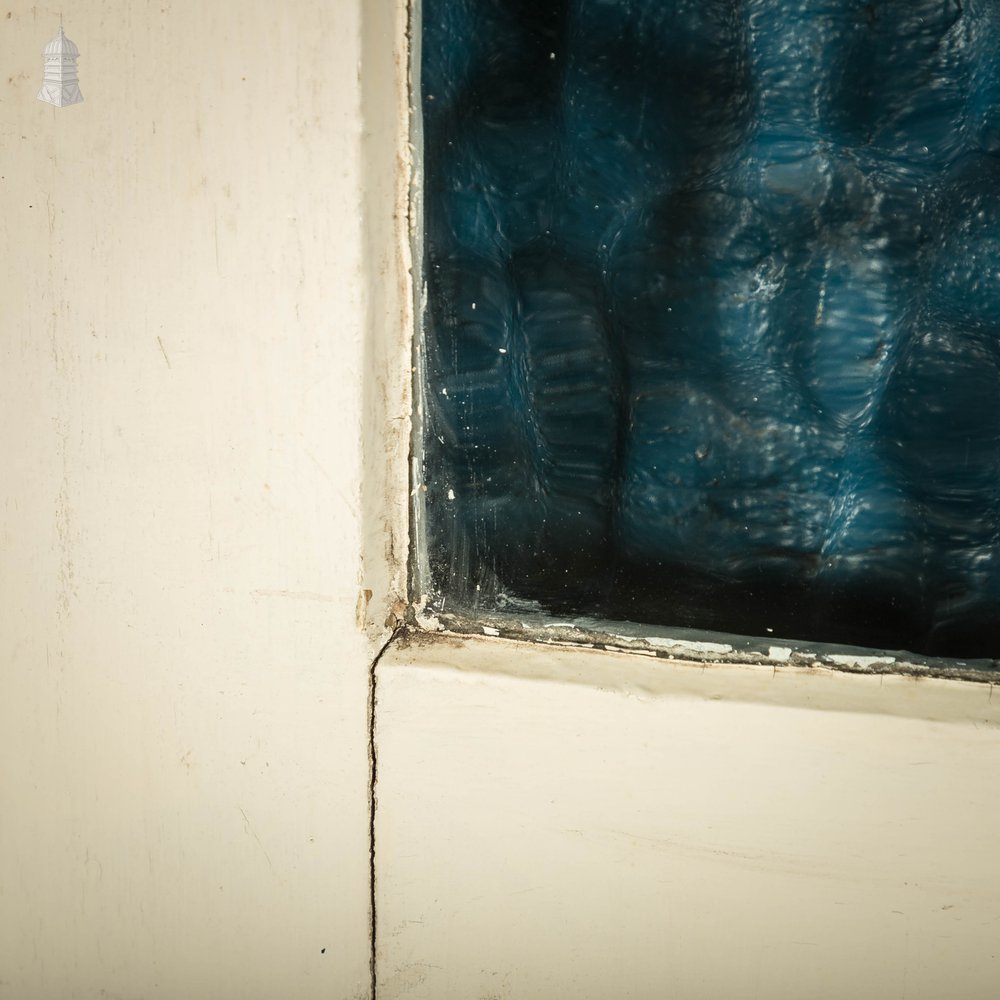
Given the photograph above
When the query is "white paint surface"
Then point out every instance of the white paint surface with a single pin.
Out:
(183, 744)
(203, 368)
(566, 823)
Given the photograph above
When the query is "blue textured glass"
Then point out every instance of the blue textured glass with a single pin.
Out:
(713, 334)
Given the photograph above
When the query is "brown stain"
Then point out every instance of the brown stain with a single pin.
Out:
(397, 614)
(414, 638)
(361, 609)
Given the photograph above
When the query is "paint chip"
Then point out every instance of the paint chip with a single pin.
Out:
(849, 660)
(686, 645)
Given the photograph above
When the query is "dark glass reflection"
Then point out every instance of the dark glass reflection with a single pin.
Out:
(713, 335)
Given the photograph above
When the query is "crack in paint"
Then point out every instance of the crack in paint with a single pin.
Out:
(372, 800)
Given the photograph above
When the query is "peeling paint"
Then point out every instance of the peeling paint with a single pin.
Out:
(865, 662)
(690, 646)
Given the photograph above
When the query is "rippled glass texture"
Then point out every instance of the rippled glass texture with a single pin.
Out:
(713, 334)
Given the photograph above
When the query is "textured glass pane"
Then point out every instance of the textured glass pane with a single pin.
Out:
(714, 307)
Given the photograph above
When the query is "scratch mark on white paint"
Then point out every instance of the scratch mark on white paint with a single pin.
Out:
(253, 833)
(163, 351)
(295, 595)
(350, 504)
